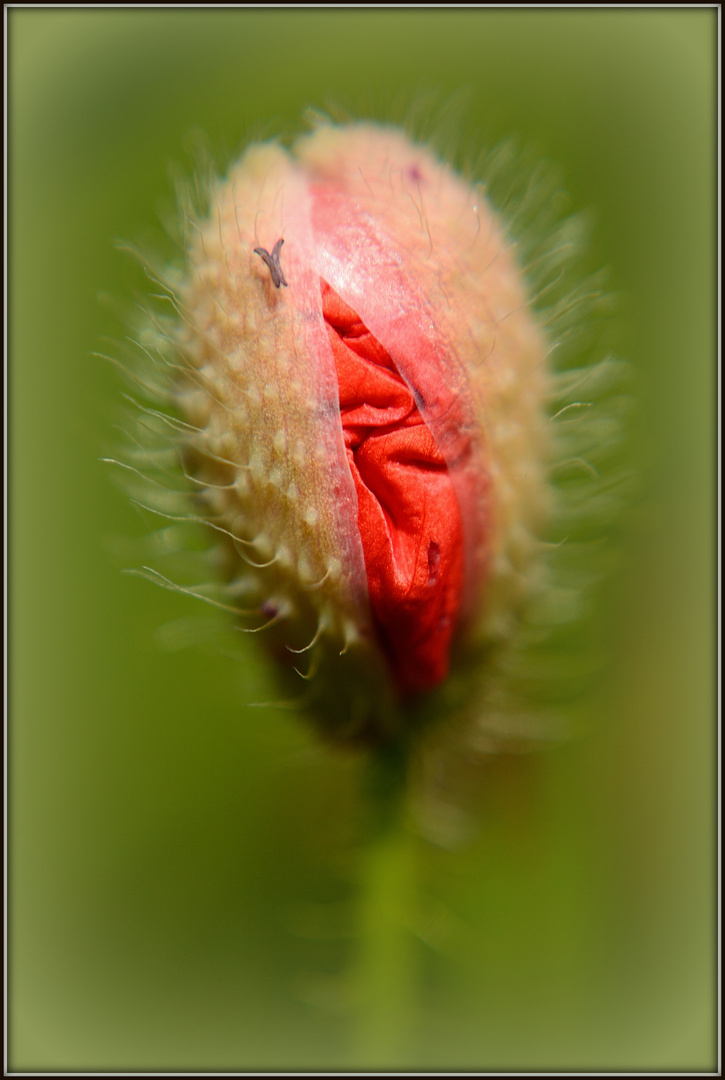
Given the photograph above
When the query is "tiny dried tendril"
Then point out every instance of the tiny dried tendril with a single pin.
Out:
(272, 261)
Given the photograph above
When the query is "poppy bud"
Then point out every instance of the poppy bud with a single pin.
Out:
(361, 383)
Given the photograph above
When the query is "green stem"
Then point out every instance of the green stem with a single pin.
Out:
(384, 975)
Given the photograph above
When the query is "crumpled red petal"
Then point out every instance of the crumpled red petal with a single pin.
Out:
(408, 513)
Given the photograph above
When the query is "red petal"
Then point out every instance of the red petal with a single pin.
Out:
(408, 513)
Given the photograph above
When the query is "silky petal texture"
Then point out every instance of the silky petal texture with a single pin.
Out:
(408, 514)
(364, 189)
(421, 258)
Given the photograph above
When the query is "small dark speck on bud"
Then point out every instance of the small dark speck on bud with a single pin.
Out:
(272, 261)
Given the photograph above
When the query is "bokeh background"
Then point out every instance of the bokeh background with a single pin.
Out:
(182, 869)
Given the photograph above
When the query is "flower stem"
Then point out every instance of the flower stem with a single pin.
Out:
(384, 972)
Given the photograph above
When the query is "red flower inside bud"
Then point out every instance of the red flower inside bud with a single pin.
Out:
(408, 515)
(361, 392)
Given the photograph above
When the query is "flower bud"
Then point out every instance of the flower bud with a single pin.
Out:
(362, 386)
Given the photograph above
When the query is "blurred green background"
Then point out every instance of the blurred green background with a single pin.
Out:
(182, 869)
